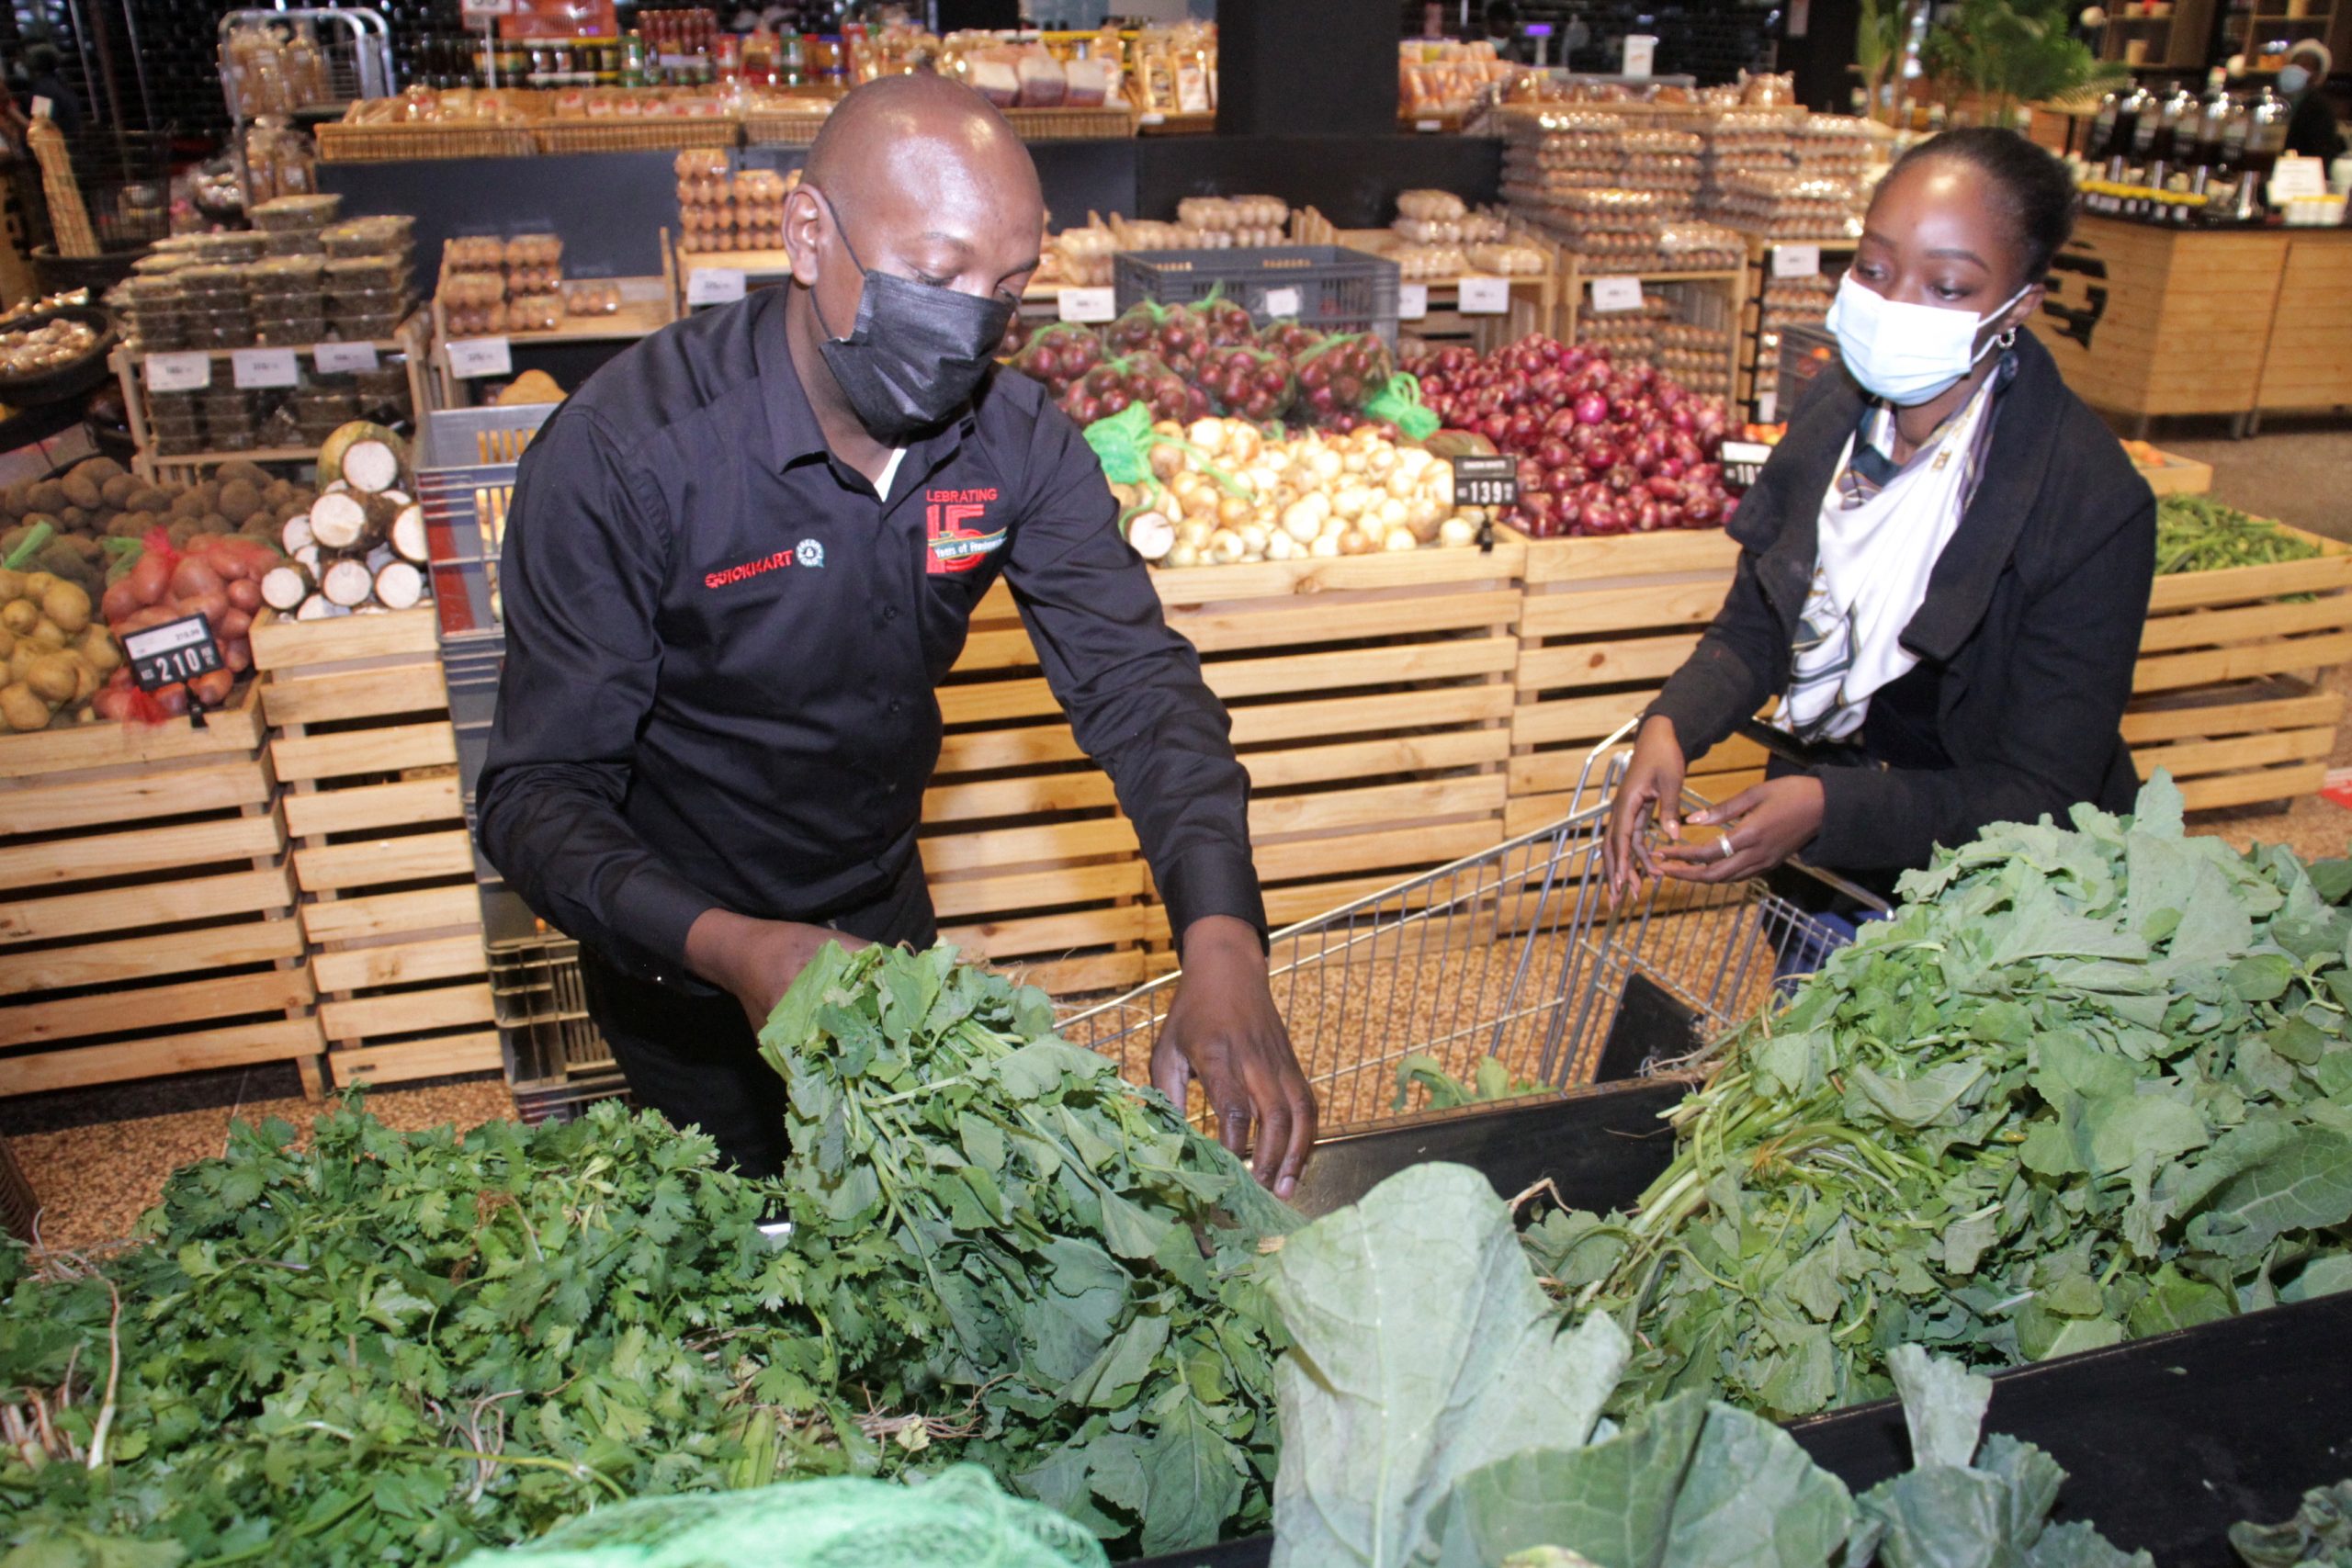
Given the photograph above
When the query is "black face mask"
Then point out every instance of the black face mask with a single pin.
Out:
(916, 351)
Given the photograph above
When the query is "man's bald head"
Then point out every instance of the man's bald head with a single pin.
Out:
(914, 132)
(916, 177)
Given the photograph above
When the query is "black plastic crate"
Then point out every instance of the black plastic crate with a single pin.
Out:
(541, 1006)
(1328, 287)
(1805, 352)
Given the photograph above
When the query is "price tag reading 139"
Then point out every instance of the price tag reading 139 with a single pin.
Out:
(1486, 481)
(176, 650)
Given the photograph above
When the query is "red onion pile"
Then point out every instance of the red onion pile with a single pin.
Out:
(1603, 448)
(1111, 386)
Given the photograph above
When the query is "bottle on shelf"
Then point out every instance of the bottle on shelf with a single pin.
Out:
(2123, 145)
(2265, 137)
(2169, 154)
(2208, 169)
(2101, 143)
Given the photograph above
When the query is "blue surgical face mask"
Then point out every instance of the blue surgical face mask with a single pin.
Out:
(2293, 80)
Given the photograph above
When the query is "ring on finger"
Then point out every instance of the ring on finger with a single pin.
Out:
(1723, 843)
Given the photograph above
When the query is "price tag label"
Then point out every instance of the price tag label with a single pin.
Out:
(251, 367)
(178, 372)
(472, 358)
(2297, 176)
(1281, 303)
(480, 9)
(1616, 293)
(1796, 260)
(41, 107)
(1486, 481)
(713, 286)
(176, 650)
(1429, 125)
(1412, 301)
(1155, 118)
(1768, 407)
(1641, 53)
(340, 358)
(1087, 304)
(1485, 296)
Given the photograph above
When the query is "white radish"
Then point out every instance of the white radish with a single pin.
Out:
(284, 588)
(399, 585)
(347, 582)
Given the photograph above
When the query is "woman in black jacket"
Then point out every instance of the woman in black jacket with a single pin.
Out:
(1944, 570)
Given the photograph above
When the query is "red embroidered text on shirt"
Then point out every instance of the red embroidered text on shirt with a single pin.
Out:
(950, 545)
(749, 569)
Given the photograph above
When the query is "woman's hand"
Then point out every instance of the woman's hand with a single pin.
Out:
(1650, 797)
(1761, 827)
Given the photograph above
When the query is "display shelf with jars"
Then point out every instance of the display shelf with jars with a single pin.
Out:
(2264, 30)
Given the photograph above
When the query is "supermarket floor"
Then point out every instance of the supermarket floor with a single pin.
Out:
(2297, 470)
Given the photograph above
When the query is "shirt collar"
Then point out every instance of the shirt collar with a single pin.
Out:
(792, 419)
(1874, 437)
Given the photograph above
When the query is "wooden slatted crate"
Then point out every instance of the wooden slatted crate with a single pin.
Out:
(1371, 702)
(1605, 622)
(1030, 864)
(390, 918)
(146, 905)
(2228, 692)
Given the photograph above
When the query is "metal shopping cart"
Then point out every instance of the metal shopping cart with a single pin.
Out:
(1516, 953)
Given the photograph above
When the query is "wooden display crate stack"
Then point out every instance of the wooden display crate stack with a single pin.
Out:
(390, 915)
(1371, 700)
(1605, 622)
(2227, 693)
(146, 905)
(1030, 864)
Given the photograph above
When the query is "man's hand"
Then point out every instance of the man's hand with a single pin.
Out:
(1223, 1028)
(1759, 828)
(756, 960)
(1650, 796)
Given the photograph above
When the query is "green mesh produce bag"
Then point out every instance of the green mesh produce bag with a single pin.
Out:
(958, 1520)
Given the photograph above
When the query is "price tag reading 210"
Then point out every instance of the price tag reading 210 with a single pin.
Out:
(174, 652)
(1486, 481)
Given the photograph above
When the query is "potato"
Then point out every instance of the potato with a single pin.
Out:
(21, 709)
(39, 583)
(52, 677)
(12, 584)
(98, 650)
(242, 470)
(82, 491)
(67, 604)
(48, 633)
(100, 470)
(117, 491)
(20, 616)
(21, 659)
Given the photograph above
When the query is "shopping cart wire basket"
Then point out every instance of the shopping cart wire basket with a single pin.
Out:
(1516, 953)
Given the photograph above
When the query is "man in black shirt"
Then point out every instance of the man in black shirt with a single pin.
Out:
(741, 557)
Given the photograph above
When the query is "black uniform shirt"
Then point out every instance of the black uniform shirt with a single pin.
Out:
(721, 646)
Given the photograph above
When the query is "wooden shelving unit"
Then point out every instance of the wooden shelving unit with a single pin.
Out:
(2175, 37)
(1759, 361)
(2245, 29)
(648, 304)
(412, 341)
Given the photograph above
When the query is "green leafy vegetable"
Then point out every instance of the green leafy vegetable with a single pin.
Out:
(1433, 1417)
(395, 1349)
(2321, 1532)
(1491, 1081)
(2085, 1085)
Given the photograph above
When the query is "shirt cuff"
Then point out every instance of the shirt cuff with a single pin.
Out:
(658, 911)
(1866, 825)
(1210, 882)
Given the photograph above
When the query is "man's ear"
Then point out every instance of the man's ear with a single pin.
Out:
(804, 227)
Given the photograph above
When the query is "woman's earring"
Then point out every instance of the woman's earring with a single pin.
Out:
(2009, 339)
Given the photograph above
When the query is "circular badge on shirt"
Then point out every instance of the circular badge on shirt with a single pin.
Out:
(810, 553)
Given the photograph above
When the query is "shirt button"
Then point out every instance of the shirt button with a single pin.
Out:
(889, 612)
(896, 706)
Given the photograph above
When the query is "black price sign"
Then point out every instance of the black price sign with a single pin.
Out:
(174, 652)
(1486, 481)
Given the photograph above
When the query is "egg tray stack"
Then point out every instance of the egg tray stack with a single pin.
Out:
(1795, 302)
(1836, 147)
(489, 284)
(720, 210)
(1627, 334)
(1698, 356)
(1669, 163)
(1788, 206)
(1739, 143)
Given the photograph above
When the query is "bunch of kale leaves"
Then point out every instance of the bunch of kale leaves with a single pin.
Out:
(2087, 1084)
(395, 1348)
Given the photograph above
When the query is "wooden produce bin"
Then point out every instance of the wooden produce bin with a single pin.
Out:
(2227, 693)
(2144, 322)
(390, 918)
(1605, 622)
(1371, 702)
(2309, 361)
(146, 905)
(1030, 864)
